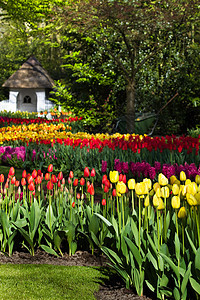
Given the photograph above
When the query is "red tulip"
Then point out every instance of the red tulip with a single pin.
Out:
(104, 178)
(71, 174)
(11, 171)
(107, 183)
(103, 202)
(31, 186)
(47, 176)
(24, 174)
(53, 178)
(73, 204)
(59, 183)
(50, 168)
(17, 183)
(63, 181)
(13, 180)
(60, 176)
(75, 183)
(120, 177)
(86, 172)
(91, 190)
(39, 172)
(50, 185)
(1, 178)
(106, 189)
(30, 179)
(93, 173)
(78, 195)
(23, 181)
(114, 193)
(34, 174)
(69, 180)
(124, 178)
(38, 179)
(82, 181)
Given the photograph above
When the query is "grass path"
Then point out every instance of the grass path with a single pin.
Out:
(27, 282)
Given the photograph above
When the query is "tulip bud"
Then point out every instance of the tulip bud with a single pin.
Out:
(53, 178)
(164, 192)
(191, 188)
(162, 180)
(192, 201)
(148, 183)
(71, 174)
(34, 174)
(47, 176)
(146, 201)
(11, 171)
(173, 179)
(182, 176)
(60, 176)
(23, 181)
(75, 183)
(50, 168)
(106, 189)
(104, 178)
(1, 178)
(86, 172)
(93, 173)
(103, 202)
(114, 193)
(197, 179)
(131, 184)
(175, 202)
(114, 176)
(141, 188)
(13, 180)
(24, 174)
(156, 186)
(73, 204)
(175, 189)
(182, 212)
(50, 185)
(121, 187)
(82, 181)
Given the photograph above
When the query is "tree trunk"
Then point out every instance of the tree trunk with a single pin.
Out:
(130, 107)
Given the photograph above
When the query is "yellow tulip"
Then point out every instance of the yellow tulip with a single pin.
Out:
(131, 184)
(161, 205)
(121, 187)
(197, 197)
(175, 189)
(173, 179)
(165, 192)
(191, 199)
(182, 176)
(182, 212)
(191, 188)
(156, 186)
(197, 179)
(183, 190)
(148, 182)
(141, 188)
(175, 202)
(188, 181)
(162, 180)
(114, 176)
(146, 201)
(155, 200)
(158, 192)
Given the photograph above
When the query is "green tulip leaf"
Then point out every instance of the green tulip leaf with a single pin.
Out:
(185, 281)
(108, 224)
(197, 260)
(195, 285)
(177, 246)
(134, 250)
(172, 265)
(191, 243)
(49, 250)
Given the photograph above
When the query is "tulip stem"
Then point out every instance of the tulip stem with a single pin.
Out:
(133, 206)
(139, 223)
(183, 237)
(197, 222)
(158, 229)
(176, 212)
(123, 221)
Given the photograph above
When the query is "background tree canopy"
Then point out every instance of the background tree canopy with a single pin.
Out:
(111, 59)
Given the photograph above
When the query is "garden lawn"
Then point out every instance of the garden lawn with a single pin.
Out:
(48, 282)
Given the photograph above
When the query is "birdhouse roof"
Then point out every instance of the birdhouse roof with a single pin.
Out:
(30, 75)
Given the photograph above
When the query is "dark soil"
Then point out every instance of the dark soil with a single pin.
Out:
(112, 289)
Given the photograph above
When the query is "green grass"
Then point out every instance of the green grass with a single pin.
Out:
(51, 282)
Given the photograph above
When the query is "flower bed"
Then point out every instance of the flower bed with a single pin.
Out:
(143, 227)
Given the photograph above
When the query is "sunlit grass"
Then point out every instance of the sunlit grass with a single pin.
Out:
(48, 282)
